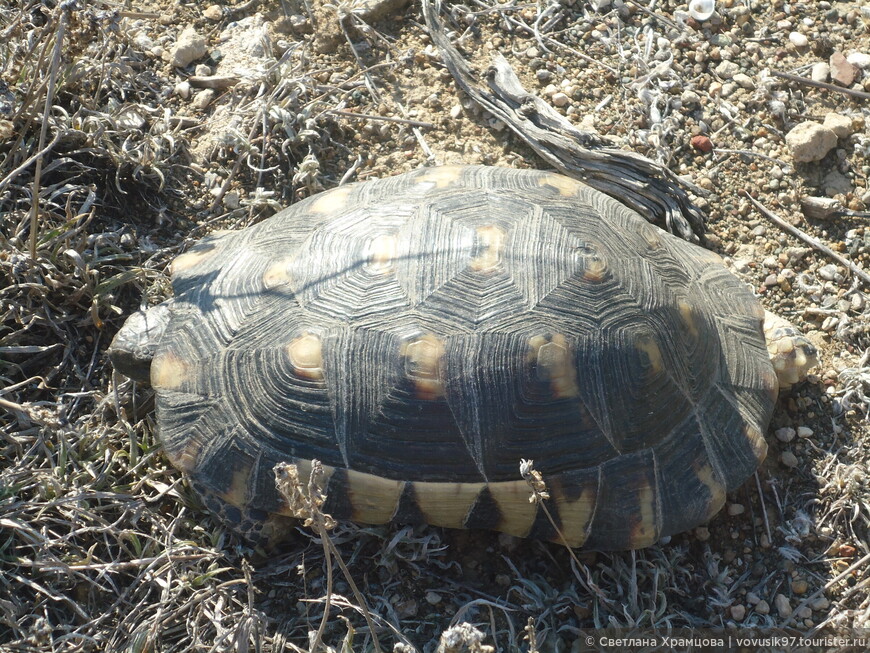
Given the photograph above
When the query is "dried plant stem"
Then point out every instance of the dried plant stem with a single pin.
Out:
(49, 99)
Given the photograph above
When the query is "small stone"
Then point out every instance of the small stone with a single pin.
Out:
(820, 72)
(809, 141)
(738, 612)
(828, 272)
(744, 81)
(544, 75)
(752, 598)
(842, 72)
(702, 143)
(783, 607)
(804, 432)
(690, 98)
(189, 47)
(231, 200)
(839, 124)
(433, 598)
(455, 111)
(860, 59)
(727, 69)
(798, 40)
(202, 99)
(804, 612)
(560, 99)
(762, 607)
(735, 509)
(213, 12)
(407, 608)
(788, 459)
(799, 586)
(702, 533)
(785, 434)
(820, 604)
(182, 89)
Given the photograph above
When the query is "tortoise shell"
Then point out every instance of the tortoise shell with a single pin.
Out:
(422, 334)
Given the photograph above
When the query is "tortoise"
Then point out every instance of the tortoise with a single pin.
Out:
(422, 334)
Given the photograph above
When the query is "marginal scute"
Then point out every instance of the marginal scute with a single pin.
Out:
(517, 512)
(193, 258)
(373, 499)
(644, 531)
(237, 492)
(306, 356)
(707, 476)
(446, 504)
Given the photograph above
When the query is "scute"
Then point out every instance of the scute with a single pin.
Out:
(432, 329)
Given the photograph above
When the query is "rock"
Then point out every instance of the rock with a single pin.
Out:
(702, 533)
(744, 81)
(202, 99)
(785, 434)
(842, 72)
(804, 432)
(189, 47)
(798, 40)
(735, 509)
(809, 141)
(839, 124)
(788, 459)
(820, 604)
(762, 607)
(433, 598)
(727, 69)
(835, 182)
(702, 143)
(859, 59)
(560, 99)
(799, 586)
(213, 12)
(738, 612)
(182, 89)
(783, 607)
(752, 598)
(820, 72)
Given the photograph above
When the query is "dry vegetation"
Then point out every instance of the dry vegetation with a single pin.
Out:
(108, 170)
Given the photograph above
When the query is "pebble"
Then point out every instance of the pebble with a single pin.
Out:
(752, 598)
(560, 99)
(798, 40)
(702, 143)
(788, 459)
(828, 272)
(189, 47)
(785, 434)
(762, 607)
(839, 124)
(213, 12)
(860, 59)
(799, 586)
(820, 72)
(182, 89)
(738, 612)
(809, 141)
(727, 69)
(433, 598)
(804, 432)
(744, 81)
(735, 509)
(702, 533)
(783, 607)
(202, 99)
(842, 72)
(820, 603)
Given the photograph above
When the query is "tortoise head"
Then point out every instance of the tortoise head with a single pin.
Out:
(132, 349)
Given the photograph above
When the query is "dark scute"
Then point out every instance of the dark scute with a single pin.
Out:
(484, 513)
(542, 527)
(408, 510)
(338, 503)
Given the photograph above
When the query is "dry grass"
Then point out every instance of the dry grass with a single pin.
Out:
(104, 547)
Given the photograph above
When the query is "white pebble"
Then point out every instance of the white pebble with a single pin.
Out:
(783, 607)
(735, 509)
(804, 432)
(560, 99)
(798, 40)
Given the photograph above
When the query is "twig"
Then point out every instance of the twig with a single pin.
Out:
(49, 100)
(763, 507)
(825, 85)
(809, 240)
(368, 116)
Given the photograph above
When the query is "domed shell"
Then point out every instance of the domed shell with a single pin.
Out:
(422, 334)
